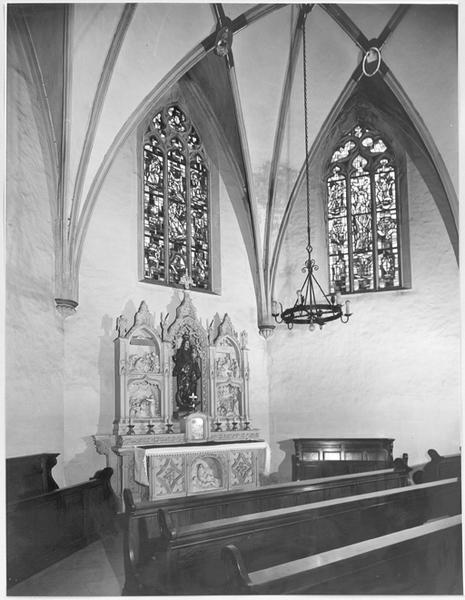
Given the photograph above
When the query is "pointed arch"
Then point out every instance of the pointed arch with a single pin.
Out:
(363, 212)
(176, 200)
(388, 108)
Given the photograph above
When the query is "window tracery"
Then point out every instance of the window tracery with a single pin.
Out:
(363, 214)
(176, 202)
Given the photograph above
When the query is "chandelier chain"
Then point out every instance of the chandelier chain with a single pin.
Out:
(307, 310)
(304, 50)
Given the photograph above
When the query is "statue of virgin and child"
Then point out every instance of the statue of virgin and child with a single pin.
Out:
(187, 372)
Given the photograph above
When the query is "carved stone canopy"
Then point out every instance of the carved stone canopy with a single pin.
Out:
(142, 320)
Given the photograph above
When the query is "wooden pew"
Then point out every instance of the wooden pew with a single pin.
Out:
(425, 559)
(209, 506)
(142, 529)
(45, 528)
(187, 559)
(439, 467)
(28, 476)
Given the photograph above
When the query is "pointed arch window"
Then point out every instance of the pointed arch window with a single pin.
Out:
(363, 212)
(176, 202)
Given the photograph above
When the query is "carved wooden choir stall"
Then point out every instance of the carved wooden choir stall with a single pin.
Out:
(182, 424)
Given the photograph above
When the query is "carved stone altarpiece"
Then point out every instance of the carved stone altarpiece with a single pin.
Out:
(168, 371)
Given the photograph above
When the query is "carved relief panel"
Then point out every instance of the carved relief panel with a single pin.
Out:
(140, 382)
(170, 478)
(184, 471)
(228, 380)
(229, 373)
(243, 471)
(207, 473)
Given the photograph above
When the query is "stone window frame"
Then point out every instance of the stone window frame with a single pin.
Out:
(397, 153)
(176, 97)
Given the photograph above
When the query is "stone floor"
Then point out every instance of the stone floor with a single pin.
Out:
(96, 570)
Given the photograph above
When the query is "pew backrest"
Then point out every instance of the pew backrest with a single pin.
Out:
(210, 506)
(142, 530)
(45, 528)
(351, 568)
(274, 535)
(439, 467)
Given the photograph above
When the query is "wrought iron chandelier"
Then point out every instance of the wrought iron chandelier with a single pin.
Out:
(306, 309)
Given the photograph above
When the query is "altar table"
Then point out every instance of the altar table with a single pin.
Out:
(175, 471)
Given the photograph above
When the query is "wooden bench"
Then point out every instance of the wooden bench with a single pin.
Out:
(187, 559)
(425, 559)
(439, 467)
(45, 528)
(142, 528)
(30, 475)
(209, 506)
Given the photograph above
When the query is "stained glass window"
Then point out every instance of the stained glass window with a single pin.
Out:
(363, 214)
(176, 202)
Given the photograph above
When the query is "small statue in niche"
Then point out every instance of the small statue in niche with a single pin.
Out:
(235, 368)
(244, 339)
(187, 373)
(122, 325)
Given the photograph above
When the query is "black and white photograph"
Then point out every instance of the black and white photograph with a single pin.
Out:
(232, 352)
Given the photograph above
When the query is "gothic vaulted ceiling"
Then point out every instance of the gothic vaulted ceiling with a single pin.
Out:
(99, 69)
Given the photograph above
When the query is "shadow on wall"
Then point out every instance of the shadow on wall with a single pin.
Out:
(106, 369)
(84, 465)
(284, 472)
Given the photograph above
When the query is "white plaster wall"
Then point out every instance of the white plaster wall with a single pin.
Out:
(393, 371)
(109, 286)
(33, 329)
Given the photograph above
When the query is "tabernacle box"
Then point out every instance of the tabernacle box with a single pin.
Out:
(196, 427)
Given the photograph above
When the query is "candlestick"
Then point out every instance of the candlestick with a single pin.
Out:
(348, 313)
(169, 425)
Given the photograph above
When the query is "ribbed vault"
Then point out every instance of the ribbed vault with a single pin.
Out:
(251, 96)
